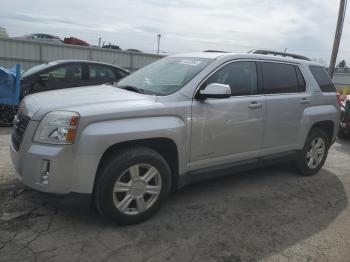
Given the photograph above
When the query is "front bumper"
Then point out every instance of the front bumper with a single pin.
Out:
(28, 166)
(68, 172)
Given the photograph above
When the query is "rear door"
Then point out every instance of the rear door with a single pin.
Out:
(286, 98)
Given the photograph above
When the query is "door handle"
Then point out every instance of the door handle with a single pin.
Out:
(255, 104)
(305, 101)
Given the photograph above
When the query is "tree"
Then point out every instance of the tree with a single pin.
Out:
(342, 64)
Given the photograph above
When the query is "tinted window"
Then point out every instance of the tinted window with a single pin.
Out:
(100, 72)
(279, 78)
(322, 78)
(58, 78)
(301, 81)
(68, 72)
(121, 73)
(240, 76)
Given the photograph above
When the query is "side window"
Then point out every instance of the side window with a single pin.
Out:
(101, 73)
(121, 73)
(322, 78)
(301, 81)
(118, 74)
(62, 77)
(279, 78)
(68, 72)
(57, 74)
(240, 76)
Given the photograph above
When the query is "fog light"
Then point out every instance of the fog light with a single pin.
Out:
(44, 172)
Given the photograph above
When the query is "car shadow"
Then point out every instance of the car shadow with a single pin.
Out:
(343, 146)
(241, 217)
(247, 216)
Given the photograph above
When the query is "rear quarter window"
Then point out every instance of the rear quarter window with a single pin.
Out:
(323, 79)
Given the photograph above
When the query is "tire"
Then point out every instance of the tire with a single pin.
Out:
(303, 163)
(122, 194)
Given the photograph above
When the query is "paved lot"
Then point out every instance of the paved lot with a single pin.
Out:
(269, 214)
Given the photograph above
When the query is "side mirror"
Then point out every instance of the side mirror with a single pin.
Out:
(215, 90)
(44, 78)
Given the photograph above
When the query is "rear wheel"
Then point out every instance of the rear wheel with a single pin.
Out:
(132, 185)
(314, 153)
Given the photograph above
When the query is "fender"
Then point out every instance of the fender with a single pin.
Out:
(314, 114)
(97, 137)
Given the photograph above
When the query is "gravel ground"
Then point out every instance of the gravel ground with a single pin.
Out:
(268, 214)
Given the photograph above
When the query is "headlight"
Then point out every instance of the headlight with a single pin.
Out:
(58, 127)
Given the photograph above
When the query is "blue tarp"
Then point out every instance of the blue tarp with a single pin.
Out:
(9, 85)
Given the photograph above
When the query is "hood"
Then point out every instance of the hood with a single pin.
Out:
(83, 100)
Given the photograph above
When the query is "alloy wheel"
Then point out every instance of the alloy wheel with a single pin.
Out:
(315, 153)
(137, 189)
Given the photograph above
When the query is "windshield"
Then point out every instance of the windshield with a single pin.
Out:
(36, 69)
(165, 76)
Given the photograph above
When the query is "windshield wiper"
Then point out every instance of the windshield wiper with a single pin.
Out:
(132, 89)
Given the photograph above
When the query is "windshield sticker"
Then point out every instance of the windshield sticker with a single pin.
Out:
(190, 62)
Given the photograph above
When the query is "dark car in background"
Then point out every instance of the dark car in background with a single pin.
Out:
(344, 127)
(69, 73)
(110, 46)
(62, 74)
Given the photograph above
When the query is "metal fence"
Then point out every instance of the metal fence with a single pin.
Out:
(29, 53)
(341, 81)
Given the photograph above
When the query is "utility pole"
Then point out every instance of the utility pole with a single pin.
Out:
(337, 37)
(158, 36)
(99, 42)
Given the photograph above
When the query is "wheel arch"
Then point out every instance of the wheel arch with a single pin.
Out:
(323, 117)
(164, 146)
(326, 126)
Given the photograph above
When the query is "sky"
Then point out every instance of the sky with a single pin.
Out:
(302, 26)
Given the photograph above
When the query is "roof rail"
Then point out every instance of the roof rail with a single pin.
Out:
(215, 51)
(276, 53)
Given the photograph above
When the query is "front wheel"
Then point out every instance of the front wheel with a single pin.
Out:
(132, 185)
(314, 153)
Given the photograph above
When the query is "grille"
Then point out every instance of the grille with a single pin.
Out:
(19, 127)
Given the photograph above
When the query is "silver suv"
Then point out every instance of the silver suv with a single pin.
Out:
(181, 119)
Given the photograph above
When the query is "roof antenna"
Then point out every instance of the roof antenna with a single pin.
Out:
(285, 50)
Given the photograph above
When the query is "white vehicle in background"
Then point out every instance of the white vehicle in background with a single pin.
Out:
(42, 37)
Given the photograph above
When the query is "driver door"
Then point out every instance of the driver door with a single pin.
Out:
(227, 129)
